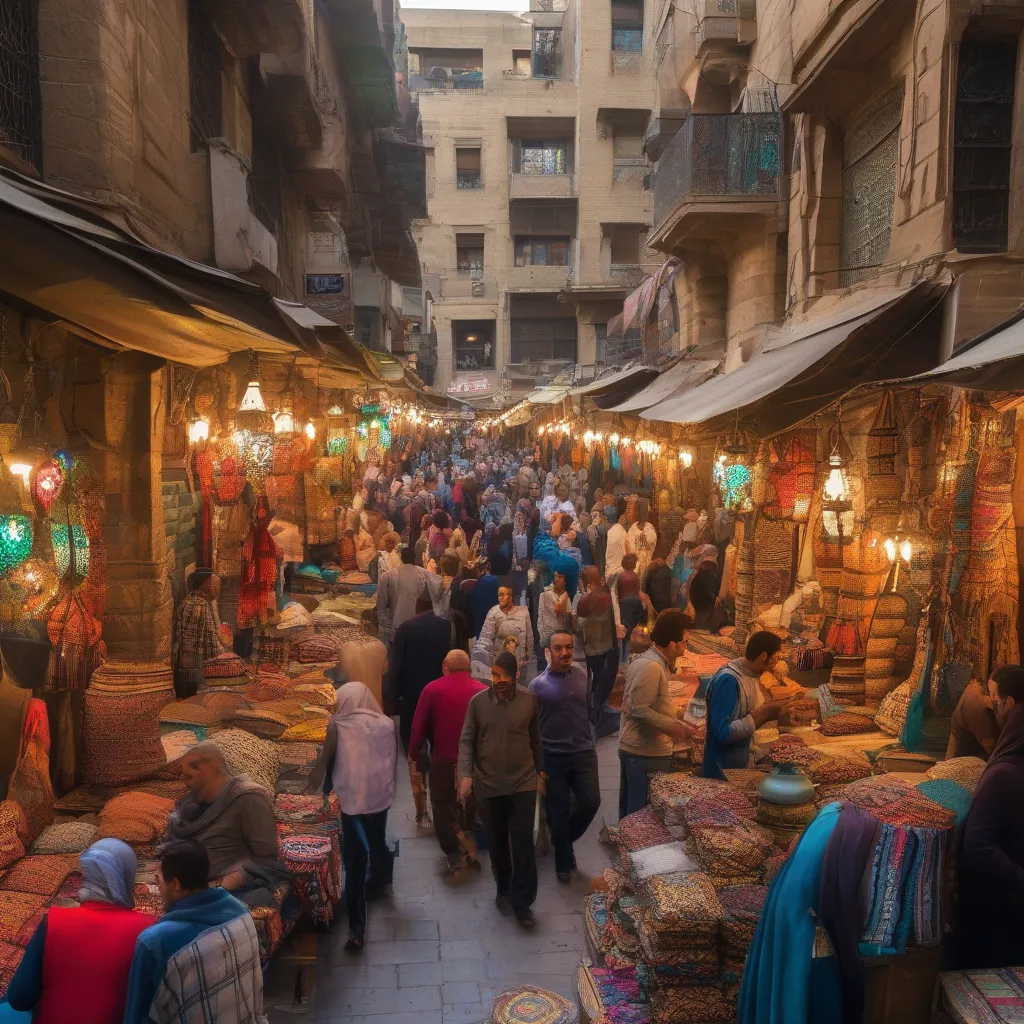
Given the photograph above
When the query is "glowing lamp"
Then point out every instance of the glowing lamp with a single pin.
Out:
(15, 541)
(588, 438)
(23, 459)
(311, 430)
(284, 423)
(837, 488)
(890, 549)
(686, 458)
(614, 439)
(906, 551)
(335, 410)
(837, 517)
(198, 431)
(22, 469)
(732, 475)
(252, 400)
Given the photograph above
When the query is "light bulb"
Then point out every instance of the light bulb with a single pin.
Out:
(687, 459)
(199, 430)
(614, 439)
(311, 430)
(284, 423)
(588, 438)
(835, 485)
(21, 469)
(906, 551)
(890, 549)
(252, 400)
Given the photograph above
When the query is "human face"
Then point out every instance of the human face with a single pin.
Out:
(675, 650)
(561, 648)
(1000, 705)
(504, 598)
(534, 491)
(502, 683)
(203, 778)
(558, 582)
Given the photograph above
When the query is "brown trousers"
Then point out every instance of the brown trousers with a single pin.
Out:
(453, 821)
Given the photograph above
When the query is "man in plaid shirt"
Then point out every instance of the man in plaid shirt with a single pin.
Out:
(195, 633)
(201, 961)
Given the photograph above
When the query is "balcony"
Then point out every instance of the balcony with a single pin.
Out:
(251, 27)
(538, 279)
(541, 186)
(291, 98)
(470, 287)
(630, 275)
(469, 81)
(725, 24)
(243, 235)
(320, 172)
(716, 165)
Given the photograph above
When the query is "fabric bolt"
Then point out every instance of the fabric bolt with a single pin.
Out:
(250, 756)
(732, 850)
(704, 1004)
(195, 641)
(643, 829)
(121, 735)
(896, 802)
(948, 793)
(619, 994)
(966, 771)
(720, 806)
(29, 785)
(16, 909)
(41, 874)
(13, 831)
(683, 901)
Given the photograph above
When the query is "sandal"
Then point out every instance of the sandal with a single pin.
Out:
(352, 944)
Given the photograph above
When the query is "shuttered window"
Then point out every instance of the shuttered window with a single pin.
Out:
(870, 156)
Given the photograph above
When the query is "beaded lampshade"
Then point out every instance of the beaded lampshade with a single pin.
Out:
(48, 483)
(15, 541)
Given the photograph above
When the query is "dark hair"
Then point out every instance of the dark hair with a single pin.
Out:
(1009, 680)
(187, 861)
(566, 521)
(620, 507)
(424, 604)
(760, 643)
(670, 626)
(450, 564)
(560, 632)
(198, 578)
(408, 554)
(632, 559)
(440, 520)
(508, 664)
(561, 572)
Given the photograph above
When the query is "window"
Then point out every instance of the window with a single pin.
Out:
(547, 44)
(625, 246)
(264, 182)
(870, 152)
(542, 252)
(20, 117)
(548, 339)
(467, 168)
(543, 158)
(627, 26)
(204, 79)
(368, 327)
(445, 70)
(630, 164)
(601, 338)
(982, 140)
(469, 255)
(474, 344)
(521, 63)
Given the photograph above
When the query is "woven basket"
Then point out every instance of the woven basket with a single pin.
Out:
(793, 815)
(883, 628)
(877, 665)
(589, 998)
(847, 679)
(529, 1005)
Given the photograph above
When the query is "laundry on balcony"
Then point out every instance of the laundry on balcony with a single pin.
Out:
(801, 367)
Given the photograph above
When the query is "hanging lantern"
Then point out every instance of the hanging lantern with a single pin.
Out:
(62, 549)
(49, 481)
(284, 423)
(15, 541)
(252, 413)
(310, 430)
(837, 517)
(199, 431)
(731, 473)
(686, 458)
(23, 459)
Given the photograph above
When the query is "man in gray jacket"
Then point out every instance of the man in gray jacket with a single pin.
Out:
(500, 762)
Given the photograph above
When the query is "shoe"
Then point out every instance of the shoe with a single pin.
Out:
(502, 903)
(564, 876)
(454, 864)
(525, 918)
(353, 944)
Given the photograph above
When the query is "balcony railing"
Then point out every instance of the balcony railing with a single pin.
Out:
(468, 285)
(525, 279)
(541, 186)
(726, 22)
(630, 274)
(468, 179)
(458, 83)
(549, 6)
(718, 155)
(627, 62)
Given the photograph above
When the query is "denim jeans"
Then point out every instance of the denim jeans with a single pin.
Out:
(634, 770)
(366, 860)
(569, 776)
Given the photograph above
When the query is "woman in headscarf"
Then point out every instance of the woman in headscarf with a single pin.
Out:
(439, 535)
(76, 964)
(363, 747)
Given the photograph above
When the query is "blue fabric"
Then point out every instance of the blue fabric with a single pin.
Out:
(546, 549)
(182, 924)
(12, 1016)
(26, 987)
(720, 749)
(950, 795)
(782, 982)
(482, 598)
(563, 701)
(108, 873)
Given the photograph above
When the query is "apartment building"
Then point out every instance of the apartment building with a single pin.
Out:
(538, 198)
(810, 152)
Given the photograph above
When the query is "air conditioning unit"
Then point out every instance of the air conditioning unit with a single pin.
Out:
(477, 289)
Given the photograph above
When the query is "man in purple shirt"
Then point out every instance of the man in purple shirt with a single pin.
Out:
(567, 743)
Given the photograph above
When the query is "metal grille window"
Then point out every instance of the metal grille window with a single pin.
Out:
(474, 344)
(621, 348)
(467, 168)
(205, 115)
(20, 118)
(542, 252)
(540, 340)
(982, 144)
(543, 158)
(870, 155)
(547, 44)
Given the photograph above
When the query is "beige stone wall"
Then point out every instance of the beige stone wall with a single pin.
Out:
(473, 118)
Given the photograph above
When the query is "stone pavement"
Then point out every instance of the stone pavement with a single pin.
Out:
(438, 951)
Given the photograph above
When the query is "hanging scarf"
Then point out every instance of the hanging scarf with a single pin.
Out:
(257, 601)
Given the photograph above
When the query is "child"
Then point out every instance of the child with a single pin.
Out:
(630, 605)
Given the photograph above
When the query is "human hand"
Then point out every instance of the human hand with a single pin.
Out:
(620, 632)
(682, 731)
(768, 712)
(465, 789)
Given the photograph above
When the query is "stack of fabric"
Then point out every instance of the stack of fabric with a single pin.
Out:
(966, 771)
(248, 755)
(610, 996)
(120, 721)
(741, 908)
(892, 712)
(225, 670)
(319, 649)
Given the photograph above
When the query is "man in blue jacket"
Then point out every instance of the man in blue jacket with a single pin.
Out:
(736, 707)
(201, 960)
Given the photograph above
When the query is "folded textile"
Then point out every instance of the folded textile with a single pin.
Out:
(964, 770)
(896, 802)
(642, 829)
(739, 848)
(683, 901)
(660, 860)
(703, 1004)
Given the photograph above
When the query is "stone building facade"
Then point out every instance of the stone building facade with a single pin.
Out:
(244, 136)
(807, 151)
(538, 198)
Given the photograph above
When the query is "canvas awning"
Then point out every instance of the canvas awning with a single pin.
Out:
(69, 262)
(802, 367)
(547, 396)
(686, 374)
(612, 381)
(994, 361)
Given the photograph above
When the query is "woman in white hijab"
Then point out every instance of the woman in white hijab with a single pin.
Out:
(365, 762)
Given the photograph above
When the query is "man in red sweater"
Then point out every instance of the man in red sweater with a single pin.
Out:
(440, 714)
